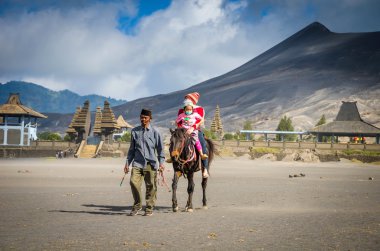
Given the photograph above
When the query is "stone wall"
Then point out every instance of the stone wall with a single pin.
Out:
(294, 151)
(38, 149)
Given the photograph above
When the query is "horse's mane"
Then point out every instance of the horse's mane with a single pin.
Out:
(180, 133)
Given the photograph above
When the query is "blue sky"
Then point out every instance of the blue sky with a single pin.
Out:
(130, 49)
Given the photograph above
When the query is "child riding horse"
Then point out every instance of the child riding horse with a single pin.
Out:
(185, 162)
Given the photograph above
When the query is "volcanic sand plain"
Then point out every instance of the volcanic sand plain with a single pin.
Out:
(78, 204)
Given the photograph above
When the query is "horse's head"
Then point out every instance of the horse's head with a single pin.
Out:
(177, 141)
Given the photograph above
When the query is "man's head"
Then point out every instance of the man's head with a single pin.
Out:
(145, 117)
(194, 97)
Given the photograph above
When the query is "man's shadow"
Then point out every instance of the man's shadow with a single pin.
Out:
(109, 210)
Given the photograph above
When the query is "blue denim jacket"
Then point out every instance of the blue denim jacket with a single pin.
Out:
(145, 144)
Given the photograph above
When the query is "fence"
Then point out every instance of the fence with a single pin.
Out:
(298, 145)
(42, 148)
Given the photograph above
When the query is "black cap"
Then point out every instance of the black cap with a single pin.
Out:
(146, 112)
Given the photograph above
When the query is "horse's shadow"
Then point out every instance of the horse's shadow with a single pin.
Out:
(107, 210)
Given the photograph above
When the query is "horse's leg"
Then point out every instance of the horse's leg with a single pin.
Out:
(204, 185)
(190, 190)
(174, 192)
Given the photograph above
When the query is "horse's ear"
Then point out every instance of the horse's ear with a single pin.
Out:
(171, 131)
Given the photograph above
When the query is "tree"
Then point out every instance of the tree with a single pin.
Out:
(285, 125)
(321, 121)
(49, 136)
(248, 126)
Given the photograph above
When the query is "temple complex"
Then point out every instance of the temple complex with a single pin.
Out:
(18, 123)
(216, 124)
(91, 139)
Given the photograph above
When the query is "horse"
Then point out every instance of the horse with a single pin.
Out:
(186, 161)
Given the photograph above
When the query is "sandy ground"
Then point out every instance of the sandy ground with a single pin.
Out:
(77, 204)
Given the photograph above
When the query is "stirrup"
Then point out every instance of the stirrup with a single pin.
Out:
(169, 160)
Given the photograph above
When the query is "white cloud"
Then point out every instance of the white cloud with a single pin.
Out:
(82, 50)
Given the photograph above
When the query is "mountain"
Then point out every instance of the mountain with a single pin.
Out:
(305, 76)
(47, 101)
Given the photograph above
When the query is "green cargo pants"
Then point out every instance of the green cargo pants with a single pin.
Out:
(150, 178)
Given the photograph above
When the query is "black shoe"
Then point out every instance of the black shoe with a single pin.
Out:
(134, 212)
(148, 213)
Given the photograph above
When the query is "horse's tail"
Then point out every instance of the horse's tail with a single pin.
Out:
(211, 151)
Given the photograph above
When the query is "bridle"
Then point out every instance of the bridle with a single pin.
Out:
(191, 150)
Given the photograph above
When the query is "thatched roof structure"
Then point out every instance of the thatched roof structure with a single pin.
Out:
(71, 128)
(347, 123)
(81, 119)
(122, 123)
(14, 107)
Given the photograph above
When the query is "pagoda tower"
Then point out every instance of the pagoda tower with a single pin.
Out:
(216, 124)
(108, 121)
(81, 122)
(70, 130)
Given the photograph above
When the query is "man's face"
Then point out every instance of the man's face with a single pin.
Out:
(145, 120)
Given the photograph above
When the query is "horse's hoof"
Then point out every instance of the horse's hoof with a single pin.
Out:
(175, 209)
(205, 207)
(189, 210)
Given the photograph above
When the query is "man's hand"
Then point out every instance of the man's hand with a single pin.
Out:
(162, 168)
(190, 130)
(126, 168)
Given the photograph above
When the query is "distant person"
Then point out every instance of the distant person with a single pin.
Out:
(146, 141)
(187, 120)
(193, 98)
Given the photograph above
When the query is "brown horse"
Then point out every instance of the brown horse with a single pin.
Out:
(186, 161)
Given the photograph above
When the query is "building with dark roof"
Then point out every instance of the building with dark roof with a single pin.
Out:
(348, 123)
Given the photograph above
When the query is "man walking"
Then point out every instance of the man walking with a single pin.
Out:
(146, 141)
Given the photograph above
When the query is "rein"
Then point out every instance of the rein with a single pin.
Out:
(192, 156)
(163, 181)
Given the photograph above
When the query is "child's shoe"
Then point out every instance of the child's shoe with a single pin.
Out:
(205, 173)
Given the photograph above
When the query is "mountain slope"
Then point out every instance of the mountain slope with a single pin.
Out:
(303, 77)
(45, 100)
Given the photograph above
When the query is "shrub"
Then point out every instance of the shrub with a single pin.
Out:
(126, 137)
(228, 136)
(49, 136)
